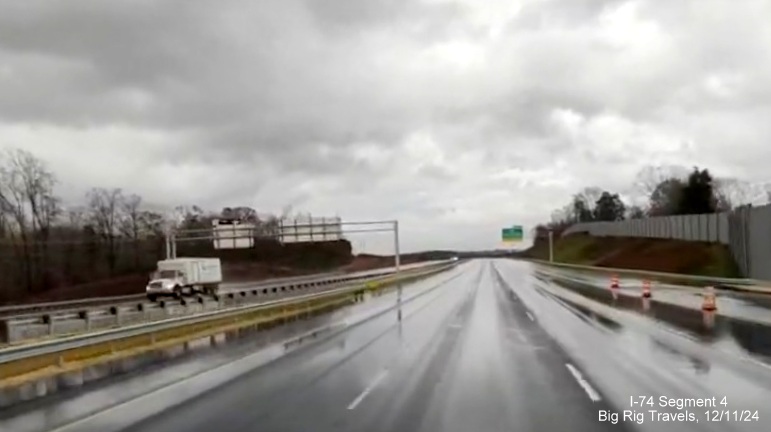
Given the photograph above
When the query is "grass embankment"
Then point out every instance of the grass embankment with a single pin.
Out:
(670, 256)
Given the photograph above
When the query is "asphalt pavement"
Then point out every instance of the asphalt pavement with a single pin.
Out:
(488, 347)
(626, 354)
(466, 356)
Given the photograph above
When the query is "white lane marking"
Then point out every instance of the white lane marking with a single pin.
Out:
(529, 315)
(518, 334)
(368, 390)
(526, 346)
(456, 326)
(590, 391)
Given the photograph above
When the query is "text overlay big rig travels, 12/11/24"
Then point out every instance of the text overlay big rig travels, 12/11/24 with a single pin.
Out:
(691, 410)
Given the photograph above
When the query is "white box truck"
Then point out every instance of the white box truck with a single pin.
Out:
(180, 276)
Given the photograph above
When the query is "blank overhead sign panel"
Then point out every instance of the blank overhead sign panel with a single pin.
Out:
(235, 234)
(310, 229)
(232, 234)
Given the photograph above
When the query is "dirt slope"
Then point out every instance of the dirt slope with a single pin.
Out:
(232, 272)
(672, 256)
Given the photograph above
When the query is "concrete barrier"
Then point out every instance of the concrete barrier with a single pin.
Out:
(747, 285)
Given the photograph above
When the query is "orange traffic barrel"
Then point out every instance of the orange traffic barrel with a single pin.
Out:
(710, 299)
(614, 282)
(646, 288)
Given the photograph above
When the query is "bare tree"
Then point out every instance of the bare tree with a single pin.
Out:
(732, 192)
(240, 213)
(105, 207)
(563, 214)
(767, 190)
(76, 217)
(665, 199)
(4, 223)
(26, 194)
(245, 214)
(590, 195)
(635, 212)
(190, 217)
(153, 224)
(131, 222)
(649, 178)
(38, 185)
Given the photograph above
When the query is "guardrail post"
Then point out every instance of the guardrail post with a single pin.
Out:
(84, 315)
(49, 319)
(116, 311)
(141, 308)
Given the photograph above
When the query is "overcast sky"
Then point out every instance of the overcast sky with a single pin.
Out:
(455, 117)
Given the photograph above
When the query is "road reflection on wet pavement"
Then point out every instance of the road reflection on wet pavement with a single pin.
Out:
(708, 326)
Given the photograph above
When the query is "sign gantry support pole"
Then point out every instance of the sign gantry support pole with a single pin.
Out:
(208, 234)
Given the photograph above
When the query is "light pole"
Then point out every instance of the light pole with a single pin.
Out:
(397, 263)
(168, 245)
(397, 259)
(551, 246)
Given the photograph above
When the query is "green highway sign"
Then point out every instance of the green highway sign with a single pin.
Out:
(513, 234)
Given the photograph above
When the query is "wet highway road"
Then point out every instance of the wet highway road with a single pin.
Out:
(465, 358)
(490, 349)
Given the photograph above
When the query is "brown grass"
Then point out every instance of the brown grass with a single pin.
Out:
(662, 255)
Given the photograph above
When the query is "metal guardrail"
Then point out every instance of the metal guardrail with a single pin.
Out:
(10, 310)
(26, 327)
(749, 284)
(49, 347)
(21, 308)
(73, 306)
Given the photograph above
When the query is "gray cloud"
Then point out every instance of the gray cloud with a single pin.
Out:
(449, 115)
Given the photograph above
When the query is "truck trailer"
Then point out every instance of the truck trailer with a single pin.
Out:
(185, 276)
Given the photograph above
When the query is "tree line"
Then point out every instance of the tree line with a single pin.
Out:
(670, 190)
(46, 244)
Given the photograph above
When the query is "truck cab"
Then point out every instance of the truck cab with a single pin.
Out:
(165, 282)
(181, 276)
